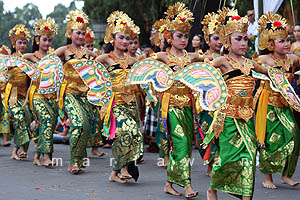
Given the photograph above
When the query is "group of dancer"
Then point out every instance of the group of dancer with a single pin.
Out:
(224, 121)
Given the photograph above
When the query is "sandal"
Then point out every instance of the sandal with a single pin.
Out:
(125, 177)
(191, 195)
(23, 155)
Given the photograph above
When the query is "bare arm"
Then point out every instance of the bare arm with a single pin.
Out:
(60, 52)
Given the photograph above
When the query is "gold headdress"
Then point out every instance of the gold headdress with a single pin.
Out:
(89, 36)
(77, 19)
(179, 18)
(160, 27)
(117, 22)
(270, 27)
(18, 32)
(231, 22)
(5, 50)
(45, 27)
(211, 25)
(135, 31)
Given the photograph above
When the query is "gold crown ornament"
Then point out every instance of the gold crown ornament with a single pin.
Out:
(179, 17)
(160, 26)
(45, 27)
(89, 36)
(135, 32)
(211, 25)
(5, 50)
(18, 32)
(231, 22)
(77, 19)
(270, 27)
(117, 22)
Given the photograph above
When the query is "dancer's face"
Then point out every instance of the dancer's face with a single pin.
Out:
(239, 43)
(45, 43)
(282, 45)
(180, 40)
(133, 45)
(214, 42)
(297, 32)
(196, 41)
(78, 37)
(121, 41)
(21, 45)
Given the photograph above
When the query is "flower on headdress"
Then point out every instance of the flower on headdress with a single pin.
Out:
(237, 18)
(88, 35)
(162, 28)
(213, 23)
(276, 25)
(80, 20)
(122, 21)
(20, 31)
(180, 18)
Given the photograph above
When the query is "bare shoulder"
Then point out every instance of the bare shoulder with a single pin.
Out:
(60, 52)
(132, 60)
(264, 58)
(102, 58)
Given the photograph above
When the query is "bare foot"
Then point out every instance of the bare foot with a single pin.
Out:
(96, 152)
(114, 178)
(289, 181)
(170, 190)
(37, 162)
(268, 182)
(107, 146)
(211, 194)
(14, 156)
(124, 174)
(48, 163)
(166, 161)
(189, 192)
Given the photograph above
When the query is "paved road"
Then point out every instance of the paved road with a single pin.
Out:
(20, 180)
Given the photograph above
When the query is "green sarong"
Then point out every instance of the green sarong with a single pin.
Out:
(160, 134)
(128, 143)
(181, 129)
(234, 164)
(281, 143)
(46, 111)
(80, 116)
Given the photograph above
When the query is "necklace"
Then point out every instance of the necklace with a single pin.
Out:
(244, 66)
(181, 61)
(123, 62)
(37, 55)
(285, 63)
(78, 52)
(214, 55)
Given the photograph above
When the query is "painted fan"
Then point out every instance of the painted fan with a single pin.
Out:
(264, 77)
(200, 77)
(52, 74)
(287, 91)
(95, 76)
(26, 66)
(4, 62)
(157, 73)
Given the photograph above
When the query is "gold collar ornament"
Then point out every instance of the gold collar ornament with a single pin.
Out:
(45, 27)
(211, 25)
(160, 26)
(231, 22)
(77, 19)
(18, 32)
(89, 36)
(117, 22)
(179, 18)
(270, 27)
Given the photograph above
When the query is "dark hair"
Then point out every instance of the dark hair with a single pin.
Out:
(35, 46)
(13, 50)
(166, 45)
(109, 47)
(69, 41)
(265, 52)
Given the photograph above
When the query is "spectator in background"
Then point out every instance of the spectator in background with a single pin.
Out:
(253, 27)
(197, 42)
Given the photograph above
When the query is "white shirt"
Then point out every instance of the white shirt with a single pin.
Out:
(253, 28)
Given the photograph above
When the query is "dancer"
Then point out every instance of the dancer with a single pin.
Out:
(44, 106)
(276, 127)
(128, 139)
(234, 164)
(15, 93)
(72, 99)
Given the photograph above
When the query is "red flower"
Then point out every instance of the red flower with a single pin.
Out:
(237, 18)
(21, 32)
(46, 28)
(88, 35)
(277, 24)
(123, 23)
(249, 36)
(182, 19)
(79, 19)
(216, 23)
